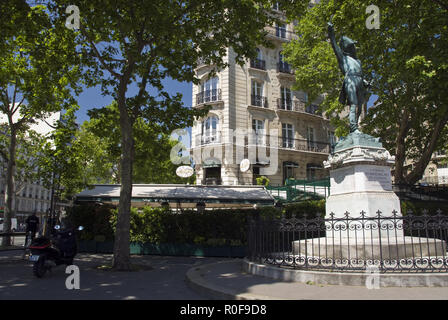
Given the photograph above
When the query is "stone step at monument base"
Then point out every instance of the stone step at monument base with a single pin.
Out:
(374, 248)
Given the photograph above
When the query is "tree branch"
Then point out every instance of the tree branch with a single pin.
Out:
(97, 53)
(14, 109)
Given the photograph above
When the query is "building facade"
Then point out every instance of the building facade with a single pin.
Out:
(436, 173)
(256, 115)
(30, 197)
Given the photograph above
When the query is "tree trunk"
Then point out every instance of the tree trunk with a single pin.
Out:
(419, 167)
(121, 259)
(9, 192)
(400, 150)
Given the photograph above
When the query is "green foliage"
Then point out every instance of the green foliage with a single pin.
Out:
(406, 61)
(29, 149)
(96, 220)
(212, 227)
(152, 162)
(308, 209)
(39, 75)
(143, 42)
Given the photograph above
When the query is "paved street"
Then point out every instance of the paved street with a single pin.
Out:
(166, 279)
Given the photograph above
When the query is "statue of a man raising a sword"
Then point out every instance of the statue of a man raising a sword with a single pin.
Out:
(354, 88)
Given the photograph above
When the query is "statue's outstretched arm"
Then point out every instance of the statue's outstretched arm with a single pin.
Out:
(337, 50)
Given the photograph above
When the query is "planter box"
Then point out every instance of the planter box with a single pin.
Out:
(166, 249)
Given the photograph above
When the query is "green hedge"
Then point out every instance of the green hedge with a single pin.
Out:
(96, 220)
(211, 228)
(157, 225)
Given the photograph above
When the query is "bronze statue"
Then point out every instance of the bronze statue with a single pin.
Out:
(354, 87)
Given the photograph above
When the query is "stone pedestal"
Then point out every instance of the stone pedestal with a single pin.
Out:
(360, 182)
(363, 218)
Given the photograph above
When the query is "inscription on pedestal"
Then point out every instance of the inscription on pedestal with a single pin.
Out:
(375, 176)
(360, 178)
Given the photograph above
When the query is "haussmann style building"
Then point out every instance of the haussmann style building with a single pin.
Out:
(256, 115)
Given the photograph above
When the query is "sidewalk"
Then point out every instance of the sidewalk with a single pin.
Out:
(225, 280)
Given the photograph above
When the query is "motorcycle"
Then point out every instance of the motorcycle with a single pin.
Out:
(59, 248)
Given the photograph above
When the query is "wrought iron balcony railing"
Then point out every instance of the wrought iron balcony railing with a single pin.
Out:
(208, 96)
(288, 143)
(286, 104)
(304, 145)
(203, 139)
(297, 105)
(281, 33)
(284, 67)
(259, 101)
(258, 64)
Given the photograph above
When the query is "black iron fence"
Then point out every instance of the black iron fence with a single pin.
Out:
(391, 243)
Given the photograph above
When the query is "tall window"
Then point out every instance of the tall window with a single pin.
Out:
(258, 62)
(305, 97)
(258, 127)
(283, 66)
(259, 54)
(310, 171)
(209, 90)
(257, 94)
(288, 170)
(210, 130)
(331, 138)
(280, 30)
(310, 138)
(288, 135)
(286, 98)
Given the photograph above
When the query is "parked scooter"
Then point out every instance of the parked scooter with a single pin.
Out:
(59, 248)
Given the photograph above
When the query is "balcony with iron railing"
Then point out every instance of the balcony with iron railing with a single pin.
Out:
(207, 96)
(259, 101)
(281, 34)
(258, 64)
(304, 145)
(285, 68)
(204, 139)
(288, 143)
(298, 106)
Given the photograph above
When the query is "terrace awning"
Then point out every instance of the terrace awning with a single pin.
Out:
(183, 196)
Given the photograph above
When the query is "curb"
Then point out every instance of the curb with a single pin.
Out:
(195, 280)
(397, 280)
